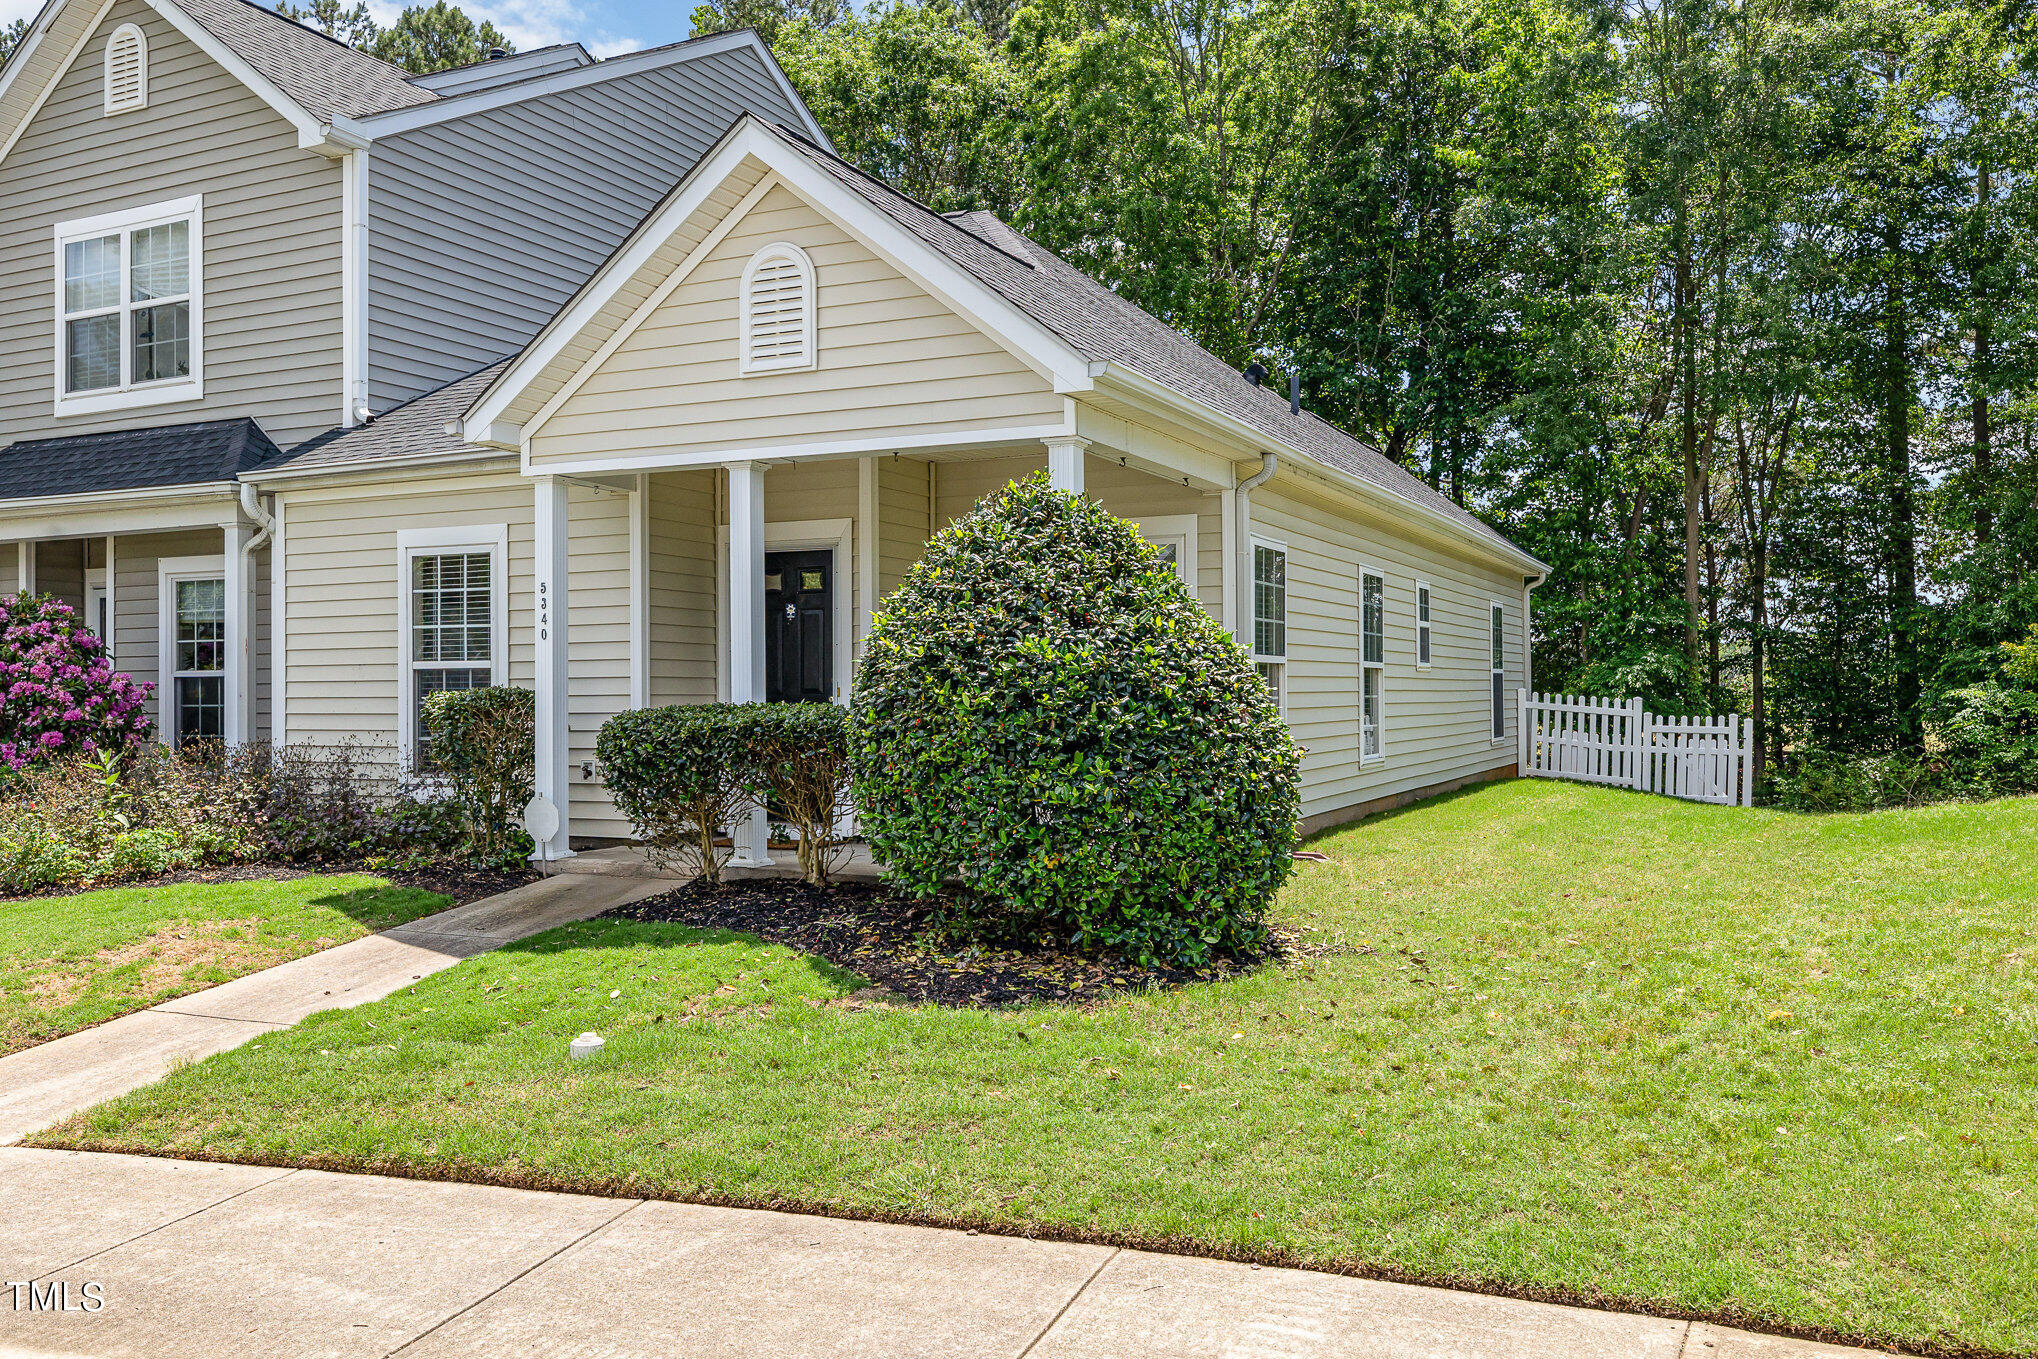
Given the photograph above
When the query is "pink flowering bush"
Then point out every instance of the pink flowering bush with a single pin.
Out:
(59, 693)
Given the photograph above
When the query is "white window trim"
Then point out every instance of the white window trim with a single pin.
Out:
(106, 72)
(170, 570)
(1380, 665)
(1423, 587)
(809, 355)
(1179, 529)
(432, 542)
(130, 395)
(1280, 662)
(1495, 607)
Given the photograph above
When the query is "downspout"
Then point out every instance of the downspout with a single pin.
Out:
(1242, 507)
(265, 528)
(1528, 584)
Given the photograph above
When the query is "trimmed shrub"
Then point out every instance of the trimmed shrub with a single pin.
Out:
(485, 742)
(1044, 712)
(59, 695)
(680, 774)
(801, 755)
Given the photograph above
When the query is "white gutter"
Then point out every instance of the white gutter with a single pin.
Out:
(1528, 638)
(285, 472)
(1242, 507)
(1254, 437)
(199, 490)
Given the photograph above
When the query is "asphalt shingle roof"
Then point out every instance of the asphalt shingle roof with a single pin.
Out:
(1106, 328)
(326, 78)
(416, 429)
(133, 459)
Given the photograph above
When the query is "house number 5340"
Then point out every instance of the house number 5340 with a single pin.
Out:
(544, 610)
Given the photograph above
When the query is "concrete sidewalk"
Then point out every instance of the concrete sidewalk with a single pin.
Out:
(55, 1079)
(222, 1261)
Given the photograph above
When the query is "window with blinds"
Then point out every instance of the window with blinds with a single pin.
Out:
(127, 70)
(777, 331)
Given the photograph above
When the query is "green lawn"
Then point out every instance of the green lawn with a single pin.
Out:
(69, 962)
(1570, 1041)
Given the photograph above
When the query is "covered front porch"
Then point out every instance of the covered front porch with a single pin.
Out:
(757, 580)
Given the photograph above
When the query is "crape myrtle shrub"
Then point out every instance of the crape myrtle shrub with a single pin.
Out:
(59, 693)
(1045, 713)
(680, 774)
(684, 774)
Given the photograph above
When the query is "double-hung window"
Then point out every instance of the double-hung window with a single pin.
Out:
(129, 308)
(1422, 609)
(192, 692)
(1372, 663)
(1270, 617)
(453, 620)
(1499, 664)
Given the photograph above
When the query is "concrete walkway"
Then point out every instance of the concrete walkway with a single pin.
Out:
(55, 1079)
(222, 1261)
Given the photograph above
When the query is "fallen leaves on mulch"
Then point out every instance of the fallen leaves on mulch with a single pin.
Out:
(895, 943)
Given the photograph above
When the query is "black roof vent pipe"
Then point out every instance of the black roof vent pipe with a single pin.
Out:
(1294, 394)
(1255, 372)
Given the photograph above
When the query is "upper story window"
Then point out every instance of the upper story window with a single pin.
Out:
(127, 70)
(777, 306)
(128, 308)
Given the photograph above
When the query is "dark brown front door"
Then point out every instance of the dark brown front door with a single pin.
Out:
(799, 632)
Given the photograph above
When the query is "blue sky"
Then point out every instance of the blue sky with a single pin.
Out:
(605, 26)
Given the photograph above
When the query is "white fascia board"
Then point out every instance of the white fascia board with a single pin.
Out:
(372, 467)
(18, 63)
(31, 40)
(1026, 339)
(932, 441)
(484, 422)
(976, 302)
(537, 87)
(1255, 440)
(94, 513)
(311, 134)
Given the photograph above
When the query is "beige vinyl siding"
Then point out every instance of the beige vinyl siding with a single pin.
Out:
(892, 361)
(271, 268)
(1438, 724)
(598, 640)
(340, 614)
(681, 554)
(905, 510)
(137, 609)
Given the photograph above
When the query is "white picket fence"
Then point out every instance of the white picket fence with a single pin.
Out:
(1614, 741)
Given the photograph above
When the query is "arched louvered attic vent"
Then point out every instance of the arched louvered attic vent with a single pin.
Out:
(127, 70)
(778, 304)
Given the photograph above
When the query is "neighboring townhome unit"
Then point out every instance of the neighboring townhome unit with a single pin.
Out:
(702, 477)
(223, 236)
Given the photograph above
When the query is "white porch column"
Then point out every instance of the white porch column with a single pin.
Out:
(553, 772)
(746, 628)
(1065, 463)
(24, 576)
(234, 721)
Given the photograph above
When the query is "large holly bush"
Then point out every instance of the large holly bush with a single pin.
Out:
(59, 694)
(1045, 713)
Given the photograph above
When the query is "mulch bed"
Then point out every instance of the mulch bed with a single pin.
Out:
(461, 884)
(895, 943)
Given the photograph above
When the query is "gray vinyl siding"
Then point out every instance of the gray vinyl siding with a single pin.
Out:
(271, 268)
(481, 227)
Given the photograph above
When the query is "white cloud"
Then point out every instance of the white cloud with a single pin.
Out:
(604, 48)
